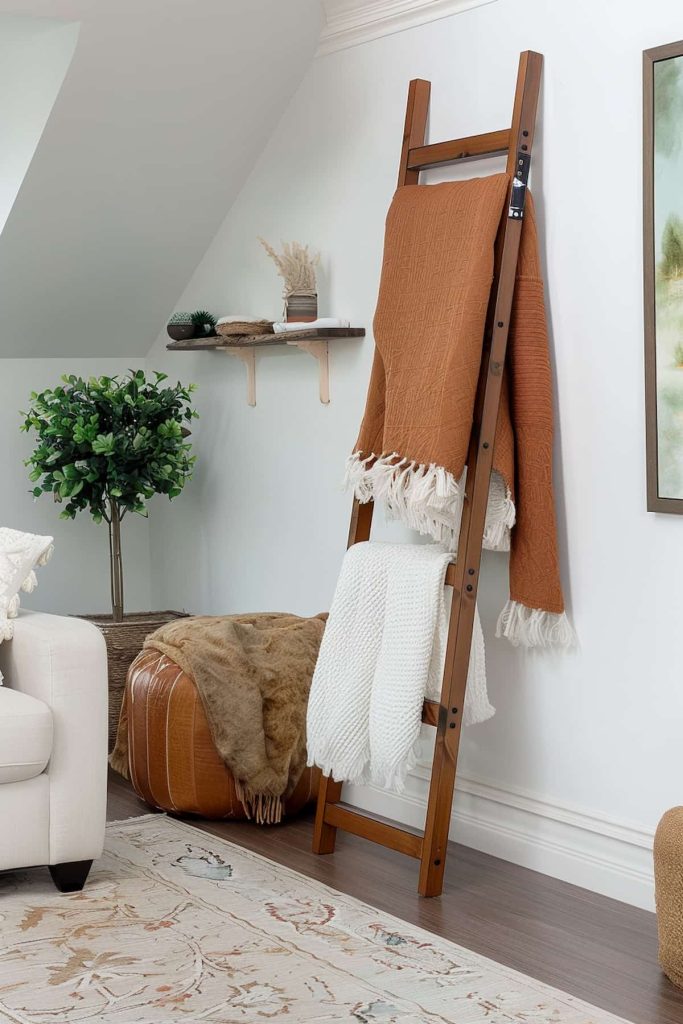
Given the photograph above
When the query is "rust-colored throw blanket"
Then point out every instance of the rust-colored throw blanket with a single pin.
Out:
(429, 326)
(253, 674)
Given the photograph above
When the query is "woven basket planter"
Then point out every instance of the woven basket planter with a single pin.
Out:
(124, 642)
(668, 857)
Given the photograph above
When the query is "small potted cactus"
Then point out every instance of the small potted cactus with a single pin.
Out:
(204, 323)
(180, 326)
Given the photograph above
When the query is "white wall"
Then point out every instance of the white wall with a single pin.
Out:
(583, 755)
(76, 580)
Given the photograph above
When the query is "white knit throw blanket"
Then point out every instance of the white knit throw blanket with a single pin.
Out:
(382, 653)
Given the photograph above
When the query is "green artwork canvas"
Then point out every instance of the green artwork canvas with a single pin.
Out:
(668, 272)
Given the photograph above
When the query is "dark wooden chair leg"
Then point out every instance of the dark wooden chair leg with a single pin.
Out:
(70, 877)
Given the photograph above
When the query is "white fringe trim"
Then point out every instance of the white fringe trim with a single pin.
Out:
(46, 555)
(359, 773)
(532, 627)
(500, 515)
(30, 583)
(428, 498)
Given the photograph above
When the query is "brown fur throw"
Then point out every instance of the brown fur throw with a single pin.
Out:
(253, 674)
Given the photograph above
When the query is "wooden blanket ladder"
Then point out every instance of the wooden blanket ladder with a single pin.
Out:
(446, 716)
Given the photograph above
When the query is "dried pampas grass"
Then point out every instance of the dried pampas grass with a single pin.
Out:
(296, 265)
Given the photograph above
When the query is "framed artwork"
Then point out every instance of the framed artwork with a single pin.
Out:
(663, 269)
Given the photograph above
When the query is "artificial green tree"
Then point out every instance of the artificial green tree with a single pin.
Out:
(106, 446)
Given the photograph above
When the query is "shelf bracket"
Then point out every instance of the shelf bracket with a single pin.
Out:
(320, 351)
(248, 357)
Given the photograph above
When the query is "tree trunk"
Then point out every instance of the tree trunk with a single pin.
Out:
(115, 562)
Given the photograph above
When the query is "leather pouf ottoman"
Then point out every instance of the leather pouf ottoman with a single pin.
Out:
(668, 851)
(173, 763)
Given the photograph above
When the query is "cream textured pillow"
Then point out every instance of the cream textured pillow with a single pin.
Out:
(20, 553)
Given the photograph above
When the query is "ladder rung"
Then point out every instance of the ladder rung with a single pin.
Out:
(459, 149)
(377, 831)
(430, 712)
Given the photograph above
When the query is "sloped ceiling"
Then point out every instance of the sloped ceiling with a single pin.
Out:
(35, 54)
(163, 110)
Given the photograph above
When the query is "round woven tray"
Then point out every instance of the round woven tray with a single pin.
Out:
(244, 327)
(124, 642)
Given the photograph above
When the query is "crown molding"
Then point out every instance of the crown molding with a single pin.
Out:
(352, 22)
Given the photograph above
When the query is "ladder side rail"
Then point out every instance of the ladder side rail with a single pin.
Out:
(414, 134)
(414, 130)
(480, 463)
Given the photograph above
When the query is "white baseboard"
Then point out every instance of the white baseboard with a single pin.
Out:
(565, 842)
(352, 22)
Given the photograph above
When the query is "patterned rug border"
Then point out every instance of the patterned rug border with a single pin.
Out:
(437, 940)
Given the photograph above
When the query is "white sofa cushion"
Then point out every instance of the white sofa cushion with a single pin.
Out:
(25, 736)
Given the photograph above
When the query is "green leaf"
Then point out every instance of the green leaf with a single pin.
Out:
(108, 438)
(103, 444)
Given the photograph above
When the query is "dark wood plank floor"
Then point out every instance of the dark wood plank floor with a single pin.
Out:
(597, 949)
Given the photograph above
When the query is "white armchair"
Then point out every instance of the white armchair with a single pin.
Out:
(53, 747)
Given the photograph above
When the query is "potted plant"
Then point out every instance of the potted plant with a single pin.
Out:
(204, 323)
(180, 326)
(296, 266)
(106, 446)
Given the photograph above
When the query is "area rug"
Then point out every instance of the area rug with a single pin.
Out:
(176, 925)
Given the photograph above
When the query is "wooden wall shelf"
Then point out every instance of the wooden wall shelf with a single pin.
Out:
(243, 346)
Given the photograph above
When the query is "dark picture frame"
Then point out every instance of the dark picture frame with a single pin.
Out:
(662, 384)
